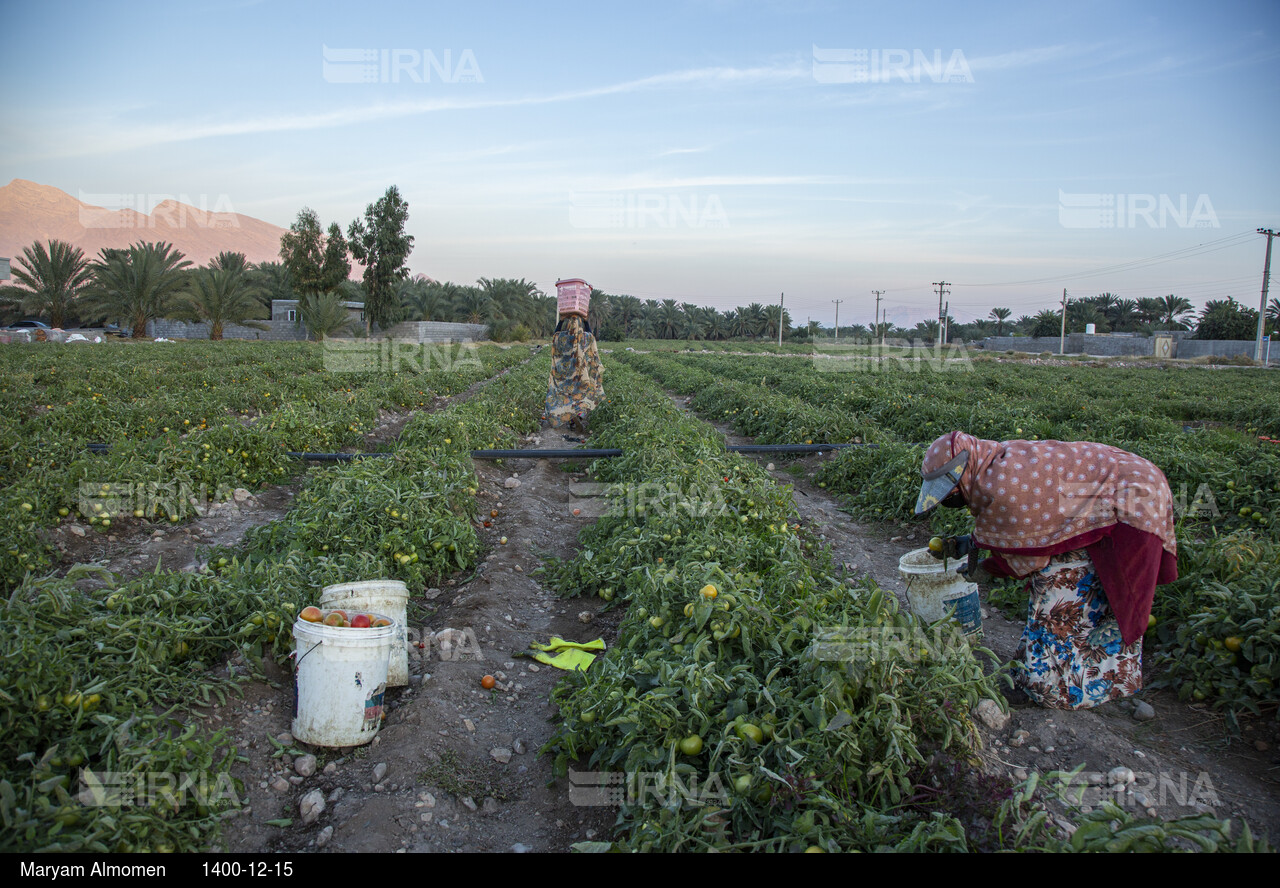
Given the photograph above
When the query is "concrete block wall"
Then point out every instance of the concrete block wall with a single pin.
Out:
(277, 331)
(436, 331)
(1127, 346)
(282, 330)
(1225, 348)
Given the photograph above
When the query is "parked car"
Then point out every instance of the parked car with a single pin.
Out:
(29, 325)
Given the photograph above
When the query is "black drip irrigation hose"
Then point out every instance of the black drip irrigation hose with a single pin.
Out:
(564, 453)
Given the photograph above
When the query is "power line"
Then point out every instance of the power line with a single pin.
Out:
(1173, 256)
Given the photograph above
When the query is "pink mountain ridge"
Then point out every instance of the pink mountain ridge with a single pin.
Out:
(30, 212)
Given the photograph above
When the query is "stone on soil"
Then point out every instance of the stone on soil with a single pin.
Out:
(311, 807)
(988, 711)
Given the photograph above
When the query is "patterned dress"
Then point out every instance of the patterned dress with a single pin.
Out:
(1071, 655)
(575, 388)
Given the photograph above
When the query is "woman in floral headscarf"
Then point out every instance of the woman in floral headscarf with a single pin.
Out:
(1091, 526)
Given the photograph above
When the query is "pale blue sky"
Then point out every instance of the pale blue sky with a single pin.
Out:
(714, 152)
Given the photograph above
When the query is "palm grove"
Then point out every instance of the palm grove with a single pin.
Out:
(148, 281)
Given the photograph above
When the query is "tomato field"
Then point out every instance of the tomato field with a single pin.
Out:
(1207, 431)
(725, 667)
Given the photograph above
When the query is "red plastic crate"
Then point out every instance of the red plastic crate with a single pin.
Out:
(573, 297)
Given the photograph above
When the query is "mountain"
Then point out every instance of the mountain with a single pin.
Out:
(31, 212)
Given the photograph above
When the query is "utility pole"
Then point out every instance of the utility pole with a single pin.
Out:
(837, 302)
(1262, 307)
(781, 298)
(942, 291)
(946, 315)
(878, 331)
(1062, 337)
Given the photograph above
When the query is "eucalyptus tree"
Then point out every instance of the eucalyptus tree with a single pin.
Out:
(379, 243)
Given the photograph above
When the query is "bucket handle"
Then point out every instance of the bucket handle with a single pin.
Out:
(299, 660)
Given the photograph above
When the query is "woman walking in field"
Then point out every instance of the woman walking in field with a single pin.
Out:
(575, 388)
(1092, 528)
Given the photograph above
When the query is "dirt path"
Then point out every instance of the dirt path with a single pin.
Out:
(455, 767)
(1183, 760)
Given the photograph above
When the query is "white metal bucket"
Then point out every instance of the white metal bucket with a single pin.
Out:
(934, 588)
(382, 597)
(339, 683)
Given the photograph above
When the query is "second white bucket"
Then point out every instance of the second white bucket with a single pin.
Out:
(340, 682)
(934, 588)
(382, 597)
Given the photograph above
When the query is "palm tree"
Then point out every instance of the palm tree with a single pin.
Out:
(473, 305)
(229, 261)
(1273, 314)
(600, 311)
(323, 314)
(273, 281)
(628, 308)
(1081, 313)
(1124, 315)
(136, 285)
(1105, 302)
(218, 296)
(669, 322)
(50, 279)
(755, 319)
(771, 321)
(1150, 309)
(1172, 308)
(927, 330)
(424, 300)
(717, 325)
(1047, 322)
(694, 321)
(642, 328)
(1000, 315)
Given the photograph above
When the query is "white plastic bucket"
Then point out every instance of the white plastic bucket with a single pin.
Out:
(381, 597)
(934, 588)
(339, 683)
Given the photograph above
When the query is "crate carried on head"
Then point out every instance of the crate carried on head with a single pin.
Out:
(573, 297)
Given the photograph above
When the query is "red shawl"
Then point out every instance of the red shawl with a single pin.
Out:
(1034, 499)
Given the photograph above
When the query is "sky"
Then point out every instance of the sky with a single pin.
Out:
(712, 151)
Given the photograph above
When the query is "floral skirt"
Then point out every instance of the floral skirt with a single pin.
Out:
(1071, 655)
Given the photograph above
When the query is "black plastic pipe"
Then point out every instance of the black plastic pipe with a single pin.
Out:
(565, 453)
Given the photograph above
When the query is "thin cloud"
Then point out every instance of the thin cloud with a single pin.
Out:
(135, 137)
(1020, 58)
